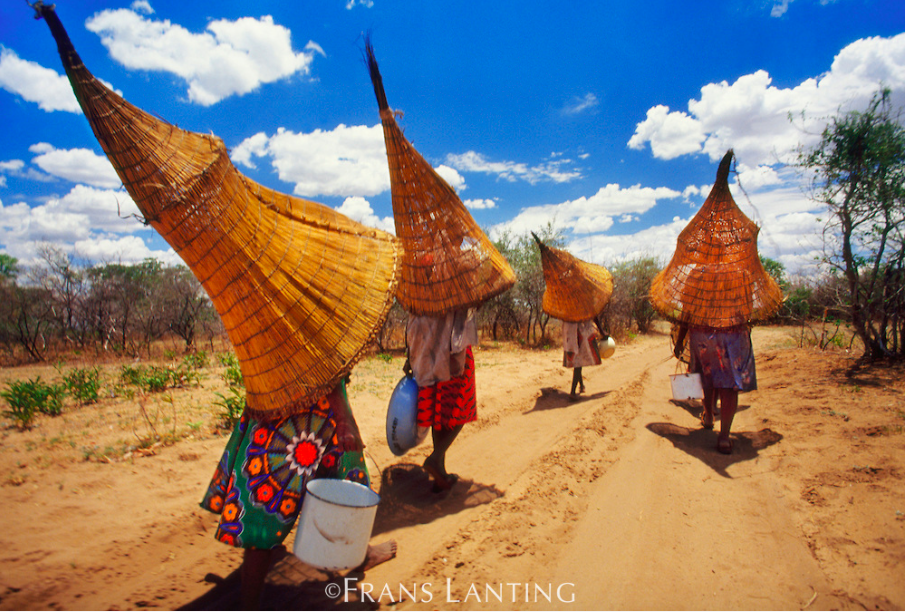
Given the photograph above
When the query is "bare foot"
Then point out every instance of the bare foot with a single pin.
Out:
(378, 554)
(441, 479)
(724, 445)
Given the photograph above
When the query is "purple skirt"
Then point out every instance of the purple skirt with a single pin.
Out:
(723, 358)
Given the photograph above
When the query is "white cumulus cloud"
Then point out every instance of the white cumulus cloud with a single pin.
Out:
(347, 161)
(359, 209)
(590, 214)
(76, 165)
(50, 90)
(83, 217)
(230, 58)
(480, 204)
(752, 116)
(451, 176)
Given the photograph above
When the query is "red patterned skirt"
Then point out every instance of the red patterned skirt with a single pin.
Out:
(449, 403)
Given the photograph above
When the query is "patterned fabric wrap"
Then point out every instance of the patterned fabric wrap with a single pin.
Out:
(449, 403)
(579, 343)
(259, 484)
(723, 358)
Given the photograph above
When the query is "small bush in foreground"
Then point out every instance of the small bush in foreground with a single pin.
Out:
(232, 405)
(83, 384)
(25, 398)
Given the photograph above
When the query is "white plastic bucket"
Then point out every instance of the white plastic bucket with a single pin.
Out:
(686, 386)
(335, 524)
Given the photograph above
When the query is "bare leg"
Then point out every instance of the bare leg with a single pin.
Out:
(255, 565)
(728, 407)
(435, 464)
(576, 380)
(709, 406)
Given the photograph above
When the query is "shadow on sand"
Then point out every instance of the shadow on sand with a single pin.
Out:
(554, 399)
(701, 444)
(406, 498)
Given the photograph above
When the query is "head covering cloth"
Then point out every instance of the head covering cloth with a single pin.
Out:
(715, 278)
(575, 290)
(448, 262)
(300, 288)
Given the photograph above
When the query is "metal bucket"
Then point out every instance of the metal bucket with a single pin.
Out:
(607, 347)
(686, 386)
(335, 524)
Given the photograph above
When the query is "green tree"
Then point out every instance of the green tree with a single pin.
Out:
(64, 279)
(857, 170)
(9, 267)
(777, 270)
(500, 313)
(629, 307)
(529, 290)
(184, 303)
(125, 304)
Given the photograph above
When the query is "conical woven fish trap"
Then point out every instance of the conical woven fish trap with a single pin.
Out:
(300, 288)
(715, 278)
(575, 290)
(448, 261)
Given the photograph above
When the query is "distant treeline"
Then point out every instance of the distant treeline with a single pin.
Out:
(62, 306)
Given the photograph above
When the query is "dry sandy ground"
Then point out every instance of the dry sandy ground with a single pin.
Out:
(618, 501)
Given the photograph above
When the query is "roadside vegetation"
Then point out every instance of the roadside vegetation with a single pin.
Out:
(137, 332)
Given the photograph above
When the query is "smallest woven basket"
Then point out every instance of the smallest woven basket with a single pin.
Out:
(575, 290)
(715, 278)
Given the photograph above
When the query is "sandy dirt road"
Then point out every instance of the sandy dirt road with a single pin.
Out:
(617, 501)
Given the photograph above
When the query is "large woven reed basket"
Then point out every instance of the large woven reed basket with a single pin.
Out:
(448, 261)
(301, 289)
(715, 278)
(575, 290)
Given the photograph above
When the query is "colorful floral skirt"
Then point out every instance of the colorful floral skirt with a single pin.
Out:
(449, 403)
(259, 484)
(724, 358)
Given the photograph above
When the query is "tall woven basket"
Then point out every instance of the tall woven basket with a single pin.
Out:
(448, 262)
(715, 278)
(575, 290)
(300, 288)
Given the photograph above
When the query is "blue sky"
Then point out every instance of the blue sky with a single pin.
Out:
(607, 119)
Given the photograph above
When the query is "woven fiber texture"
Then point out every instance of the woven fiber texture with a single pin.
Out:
(575, 290)
(448, 261)
(715, 278)
(300, 288)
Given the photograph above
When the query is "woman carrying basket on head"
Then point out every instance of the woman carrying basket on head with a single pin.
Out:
(579, 344)
(576, 292)
(442, 363)
(449, 268)
(298, 321)
(714, 289)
